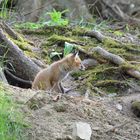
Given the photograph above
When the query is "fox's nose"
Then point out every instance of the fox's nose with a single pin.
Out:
(82, 67)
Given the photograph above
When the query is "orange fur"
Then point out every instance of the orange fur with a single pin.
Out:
(51, 77)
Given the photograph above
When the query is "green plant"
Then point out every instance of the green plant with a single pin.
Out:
(11, 126)
(68, 48)
(118, 33)
(56, 18)
(4, 11)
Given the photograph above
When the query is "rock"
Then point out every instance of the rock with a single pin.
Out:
(81, 131)
(135, 106)
(119, 107)
(89, 63)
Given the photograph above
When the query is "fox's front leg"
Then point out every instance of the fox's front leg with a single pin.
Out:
(65, 90)
(57, 88)
(61, 88)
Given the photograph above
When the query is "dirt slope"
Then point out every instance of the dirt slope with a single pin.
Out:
(49, 120)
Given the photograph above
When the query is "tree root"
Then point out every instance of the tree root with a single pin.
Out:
(116, 60)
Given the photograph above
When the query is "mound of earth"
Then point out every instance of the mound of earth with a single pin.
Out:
(109, 118)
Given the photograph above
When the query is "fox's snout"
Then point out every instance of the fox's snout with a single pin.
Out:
(82, 67)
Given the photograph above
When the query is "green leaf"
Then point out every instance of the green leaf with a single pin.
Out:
(118, 33)
(68, 48)
(56, 18)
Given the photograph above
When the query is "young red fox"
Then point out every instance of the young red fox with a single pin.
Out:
(50, 78)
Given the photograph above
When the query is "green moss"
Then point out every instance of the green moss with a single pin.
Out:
(127, 66)
(104, 83)
(108, 42)
(30, 54)
(23, 45)
(107, 76)
(118, 51)
(77, 74)
(110, 89)
(56, 38)
(79, 31)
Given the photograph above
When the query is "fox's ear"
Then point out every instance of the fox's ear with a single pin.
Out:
(75, 54)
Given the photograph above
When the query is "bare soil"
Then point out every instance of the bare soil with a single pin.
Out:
(49, 120)
(110, 117)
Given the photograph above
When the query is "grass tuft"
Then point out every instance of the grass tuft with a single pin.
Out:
(11, 126)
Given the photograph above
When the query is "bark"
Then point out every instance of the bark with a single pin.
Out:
(21, 65)
(116, 60)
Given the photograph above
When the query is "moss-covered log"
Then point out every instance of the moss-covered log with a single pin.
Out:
(116, 60)
(21, 65)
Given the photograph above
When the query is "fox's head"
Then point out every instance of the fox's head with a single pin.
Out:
(75, 62)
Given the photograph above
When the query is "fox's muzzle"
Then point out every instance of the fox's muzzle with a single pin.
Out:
(82, 67)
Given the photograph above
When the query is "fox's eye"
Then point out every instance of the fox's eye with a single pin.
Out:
(77, 59)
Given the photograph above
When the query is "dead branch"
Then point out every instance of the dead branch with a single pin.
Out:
(96, 34)
(109, 56)
(100, 37)
(116, 126)
(116, 60)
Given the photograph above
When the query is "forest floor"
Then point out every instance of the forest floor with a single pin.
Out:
(49, 120)
(110, 116)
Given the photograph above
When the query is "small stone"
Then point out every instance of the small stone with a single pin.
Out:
(68, 137)
(89, 63)
(81, 131)
(119, 107)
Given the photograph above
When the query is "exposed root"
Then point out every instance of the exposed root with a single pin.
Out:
(116, 60)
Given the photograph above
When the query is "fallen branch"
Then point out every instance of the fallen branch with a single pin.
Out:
(100, 37)
(106, 40)
(109, 56)
(116, 60)
(96, 34)
(116, 126)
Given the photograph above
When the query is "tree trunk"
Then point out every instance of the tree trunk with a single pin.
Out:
(20, 65)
